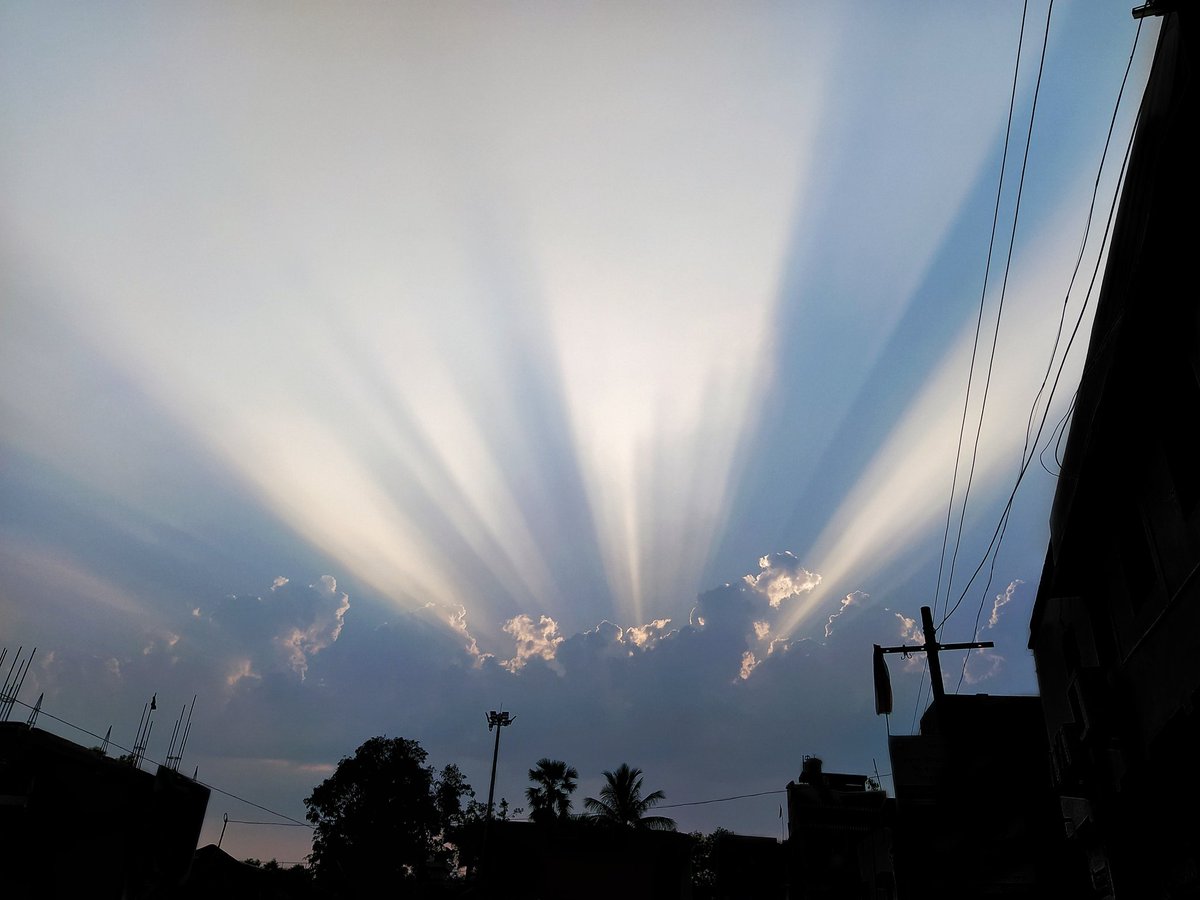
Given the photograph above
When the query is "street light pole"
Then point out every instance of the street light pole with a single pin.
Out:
(496, 720)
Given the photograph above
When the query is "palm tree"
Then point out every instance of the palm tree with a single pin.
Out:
(621, 802)
(550, 795)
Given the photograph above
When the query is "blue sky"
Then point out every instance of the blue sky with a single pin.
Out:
(364, 368)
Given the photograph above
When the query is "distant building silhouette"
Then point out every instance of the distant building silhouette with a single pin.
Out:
(74, 823)
(1115, 629)
(839, 837)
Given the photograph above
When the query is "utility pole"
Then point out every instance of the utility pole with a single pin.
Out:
(931, 647)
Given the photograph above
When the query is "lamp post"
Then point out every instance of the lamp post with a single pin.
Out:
(496, 720)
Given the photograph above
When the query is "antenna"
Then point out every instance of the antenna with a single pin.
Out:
(145, 726)
(180, 734)
(17, 671)
(174, 737)
(37, 708)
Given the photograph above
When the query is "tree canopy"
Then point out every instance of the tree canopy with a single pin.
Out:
(621, 802)
(550, 794)
(383, 817)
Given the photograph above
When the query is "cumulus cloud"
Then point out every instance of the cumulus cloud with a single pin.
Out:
(1002, 600)
(912, 633)
(326, 616)
(910, 630)
(781, 577)
(646, 636)
(285, 628)
(535, 640)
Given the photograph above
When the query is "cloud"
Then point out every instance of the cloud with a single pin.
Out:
(910, 630)
(646, 636)
(458, 621)
(283, 629)
(1002, 600)
(749, 663)
(302, 642)
(981, 665)
(847, 601)
(535, 640)
(782, 577)
(240, 670)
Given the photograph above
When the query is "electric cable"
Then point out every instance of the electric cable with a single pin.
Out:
(1003, 293)
(979, 319)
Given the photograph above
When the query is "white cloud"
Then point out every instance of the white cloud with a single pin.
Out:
(1002, 600)
(327, 616)
(781, 577)
(458, 621)
(762, 630)
(849, 600)
(534, 640)
(646, 636)
(910, 630)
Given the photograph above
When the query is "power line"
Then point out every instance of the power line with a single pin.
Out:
(718, 800)
(281, 824)
(211, 787)
(1003, 288)
(979, 325)
(1079, 259)
(998, 537)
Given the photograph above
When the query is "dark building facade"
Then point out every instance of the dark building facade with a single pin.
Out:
(75, 823)
(976, 815)
(839, 837)
(1115, 629)
(581, 860)
(748, 867)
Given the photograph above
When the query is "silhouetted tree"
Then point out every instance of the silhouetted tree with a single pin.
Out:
(550, 795)
(383, 819)
(704, 870)
(621, 802)
(464, 834)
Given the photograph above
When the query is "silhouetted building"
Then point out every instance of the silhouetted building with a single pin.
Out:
(1115, 629)
(215, 874)
(839, 837)
(580, 860)
(74, 823)
(748, 867)
(976, 815)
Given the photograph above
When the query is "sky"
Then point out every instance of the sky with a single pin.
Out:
(367, 367)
